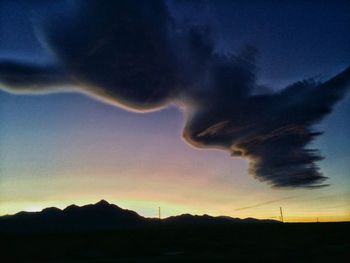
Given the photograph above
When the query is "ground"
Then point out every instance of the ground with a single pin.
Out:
(245, 242)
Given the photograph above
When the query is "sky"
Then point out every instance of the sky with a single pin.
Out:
(78, 139)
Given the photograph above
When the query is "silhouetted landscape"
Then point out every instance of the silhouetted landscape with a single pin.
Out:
(104, 232)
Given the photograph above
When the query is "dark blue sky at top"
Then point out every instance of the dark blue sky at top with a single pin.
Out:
(295, 39)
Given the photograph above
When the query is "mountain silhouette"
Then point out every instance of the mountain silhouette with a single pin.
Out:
(101, 216)
(104, 232)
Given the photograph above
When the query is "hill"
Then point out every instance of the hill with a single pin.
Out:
(104, 232)
(100, 216)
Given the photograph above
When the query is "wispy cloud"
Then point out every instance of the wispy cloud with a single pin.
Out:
(265, 203)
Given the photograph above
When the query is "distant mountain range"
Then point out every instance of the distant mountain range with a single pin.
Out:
(101, 216)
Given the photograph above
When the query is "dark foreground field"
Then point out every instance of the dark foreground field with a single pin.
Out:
(264, 242)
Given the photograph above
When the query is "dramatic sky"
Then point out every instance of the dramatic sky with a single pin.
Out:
(219, 107)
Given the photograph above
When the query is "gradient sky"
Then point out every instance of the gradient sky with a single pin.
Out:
(68, 148)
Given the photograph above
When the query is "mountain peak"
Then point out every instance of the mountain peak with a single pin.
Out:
(51, 210)
(71, 208)
(102, 202)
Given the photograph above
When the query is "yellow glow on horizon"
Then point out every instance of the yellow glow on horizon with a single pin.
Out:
(321, 219)
(150, 209)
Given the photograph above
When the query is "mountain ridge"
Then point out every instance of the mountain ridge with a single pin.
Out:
(102, 216)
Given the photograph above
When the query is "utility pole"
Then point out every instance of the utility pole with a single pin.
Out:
(281, 214)
(159, 214)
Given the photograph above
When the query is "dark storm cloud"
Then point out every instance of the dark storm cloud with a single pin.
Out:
(23, 77)
(133, 54)
(272, 131)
